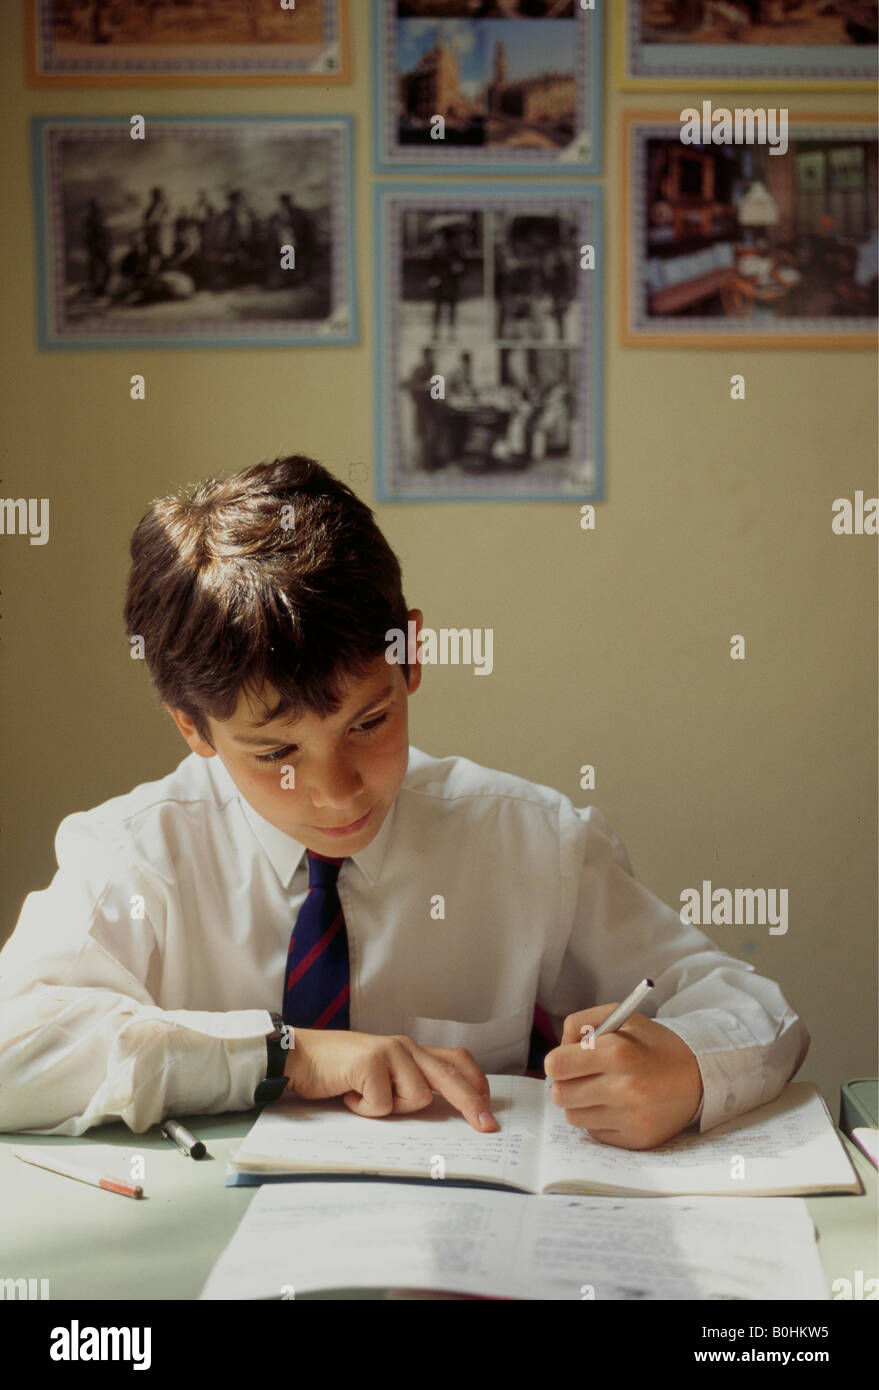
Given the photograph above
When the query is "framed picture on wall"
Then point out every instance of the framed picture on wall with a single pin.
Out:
(761, 244)
(489, 327)
(213, 231)
(132, 43)
(507, 86)
(815, 45)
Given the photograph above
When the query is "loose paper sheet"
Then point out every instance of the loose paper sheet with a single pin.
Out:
(306, 1236)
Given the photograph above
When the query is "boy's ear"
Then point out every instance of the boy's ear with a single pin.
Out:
(191, 734)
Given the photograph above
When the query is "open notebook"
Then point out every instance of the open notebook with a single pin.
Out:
(785, 1148)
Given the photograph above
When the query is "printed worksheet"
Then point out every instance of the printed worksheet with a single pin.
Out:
(306, 1237)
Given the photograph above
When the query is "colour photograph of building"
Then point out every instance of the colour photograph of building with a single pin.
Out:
(493, 83)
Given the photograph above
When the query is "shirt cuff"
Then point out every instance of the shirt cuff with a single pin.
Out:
(197, 1063)
(734, 1079)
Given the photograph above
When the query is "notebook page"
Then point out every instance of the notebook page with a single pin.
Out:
(324, 1136)
(680, 1248)
(299, 1238)
(789, 1145)
(305, 1238)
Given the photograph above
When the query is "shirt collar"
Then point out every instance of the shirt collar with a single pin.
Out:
(286, 854)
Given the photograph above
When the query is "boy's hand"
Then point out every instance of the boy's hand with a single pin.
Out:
(387, 1076)
(634, 1088)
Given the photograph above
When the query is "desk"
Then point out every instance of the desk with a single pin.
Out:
(92, 1244)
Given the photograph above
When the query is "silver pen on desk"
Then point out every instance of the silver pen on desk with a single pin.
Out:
(185, 1141)
(624, 1010)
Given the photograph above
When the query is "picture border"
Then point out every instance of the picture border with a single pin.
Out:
(47, 341)
(593, 83)
(37, 78)
(641, 338)
(627, 81)
(484, 197)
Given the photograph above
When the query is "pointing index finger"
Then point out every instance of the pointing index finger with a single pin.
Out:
(457, 1090)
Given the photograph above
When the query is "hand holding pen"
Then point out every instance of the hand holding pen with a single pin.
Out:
(625, 1079)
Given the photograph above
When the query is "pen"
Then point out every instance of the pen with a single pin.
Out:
(93, 1176)
(180, 1135)
(624, 1010)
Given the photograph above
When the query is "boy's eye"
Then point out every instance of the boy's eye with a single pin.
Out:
(367, 727)
(274, 757)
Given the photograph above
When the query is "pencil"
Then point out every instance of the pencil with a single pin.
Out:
(93, 1176)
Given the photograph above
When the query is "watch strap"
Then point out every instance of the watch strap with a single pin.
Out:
(274, 1083)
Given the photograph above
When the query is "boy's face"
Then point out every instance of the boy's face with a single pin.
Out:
(346, 769)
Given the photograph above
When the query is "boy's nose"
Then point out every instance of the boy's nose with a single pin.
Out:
(337, 788)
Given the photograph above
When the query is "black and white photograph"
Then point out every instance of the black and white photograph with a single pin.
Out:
(514, 87)
(220, 232)
(534, 278)
(162, 42)
(490, 333)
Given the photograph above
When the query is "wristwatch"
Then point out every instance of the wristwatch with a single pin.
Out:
(274, 1083)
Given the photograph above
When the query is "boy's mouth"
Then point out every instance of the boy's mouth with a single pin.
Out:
(344, 829)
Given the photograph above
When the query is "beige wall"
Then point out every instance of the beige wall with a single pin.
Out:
(610, 648)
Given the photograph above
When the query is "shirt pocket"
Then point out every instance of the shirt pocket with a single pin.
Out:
(499, 1044)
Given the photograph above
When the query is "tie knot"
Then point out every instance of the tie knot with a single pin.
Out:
(322, 870)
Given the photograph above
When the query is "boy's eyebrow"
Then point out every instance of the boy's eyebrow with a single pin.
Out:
(268, 742)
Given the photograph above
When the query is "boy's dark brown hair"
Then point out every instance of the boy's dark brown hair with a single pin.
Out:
(277, 574)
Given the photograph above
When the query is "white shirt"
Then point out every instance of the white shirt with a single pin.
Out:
(139, 983)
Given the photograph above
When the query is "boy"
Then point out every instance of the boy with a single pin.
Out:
(306, 878)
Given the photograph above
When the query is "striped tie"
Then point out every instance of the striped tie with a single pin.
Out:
(316, 978)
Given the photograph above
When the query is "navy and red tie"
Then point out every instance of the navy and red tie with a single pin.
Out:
(316, 981)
